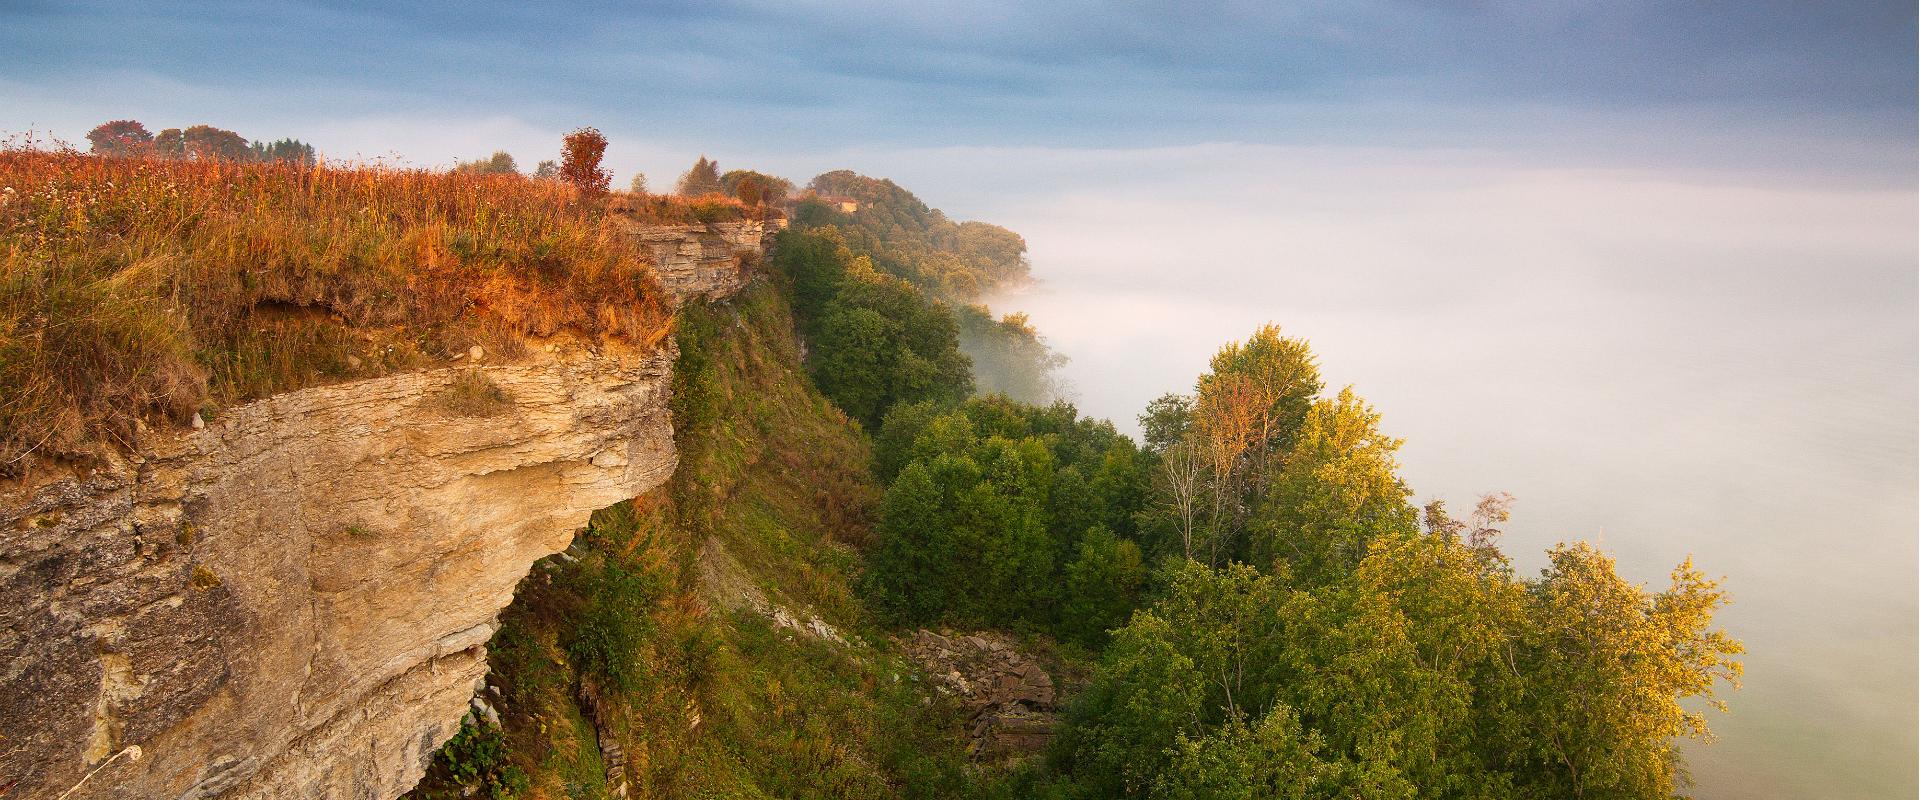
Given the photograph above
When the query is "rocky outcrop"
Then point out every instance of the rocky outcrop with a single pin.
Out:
(294, 600)
(1007, 697)
(703, 260)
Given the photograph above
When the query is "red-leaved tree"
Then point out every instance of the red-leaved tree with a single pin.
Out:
(580, 161)
(121, 137)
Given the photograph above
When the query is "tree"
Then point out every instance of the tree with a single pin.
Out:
(205, 142)
(170, 143)
(580, 162)
(815, 262)
(1180, 474)
(894, 442)
(121, 137)
(1185, 667)
(639, 184)
(500, 163)
(881, 341)
(857, 354)
(756, 188)
(917, 549)
(1166, 421)
(285, 151)
(1274, 759)
(1102, 586)
(1242, 419)
(1607, 668)
(702, 180)
(1009, 356)
(546, 171)
(1283, 378)
(1337, 491)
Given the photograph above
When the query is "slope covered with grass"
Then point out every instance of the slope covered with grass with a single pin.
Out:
(661, 632)
(146, 288)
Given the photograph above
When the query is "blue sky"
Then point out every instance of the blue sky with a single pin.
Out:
(781, 77)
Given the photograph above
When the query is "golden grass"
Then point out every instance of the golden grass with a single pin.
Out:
(473, 394)
(134, 288)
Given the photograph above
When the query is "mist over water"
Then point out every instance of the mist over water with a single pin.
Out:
(1719, 365)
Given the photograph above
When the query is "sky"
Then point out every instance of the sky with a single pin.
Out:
(1649, 266)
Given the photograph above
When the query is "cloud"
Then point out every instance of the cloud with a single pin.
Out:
(815, 74)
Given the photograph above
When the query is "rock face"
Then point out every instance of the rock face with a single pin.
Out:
(703, 259)
(294, 600)
(1008, 697)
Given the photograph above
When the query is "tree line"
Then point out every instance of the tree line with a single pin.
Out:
(1270, 614)
(130, 138)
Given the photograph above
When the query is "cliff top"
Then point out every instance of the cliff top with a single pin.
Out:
(134, 288)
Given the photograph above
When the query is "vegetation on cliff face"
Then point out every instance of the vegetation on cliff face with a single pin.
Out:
(619, 641)
(1262, 610)
(145, 286)
(1308, 632)
(957, 264)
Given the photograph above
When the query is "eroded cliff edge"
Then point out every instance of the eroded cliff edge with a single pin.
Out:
(294, 600)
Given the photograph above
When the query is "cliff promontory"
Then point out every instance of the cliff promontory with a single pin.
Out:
(292, 599)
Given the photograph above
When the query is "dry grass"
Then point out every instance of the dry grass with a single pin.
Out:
(135, 289)
(473, 394)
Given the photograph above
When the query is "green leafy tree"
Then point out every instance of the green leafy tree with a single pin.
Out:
(1274, 759)
(290, 151)
(908, 572)
(880, 342)
(1072, 509)
(1102, 586)
(1606, 668)
(815, 265)
(1184, 668)
(1338, 491)
(858, 352)
(900, 429)
(639, 183)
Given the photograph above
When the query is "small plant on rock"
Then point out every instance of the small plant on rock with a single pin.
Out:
(473, 394)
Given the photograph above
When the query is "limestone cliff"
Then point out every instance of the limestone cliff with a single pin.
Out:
(293, 601)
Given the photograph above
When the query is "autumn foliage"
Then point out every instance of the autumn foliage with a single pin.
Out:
(147, 287)
(580, 162)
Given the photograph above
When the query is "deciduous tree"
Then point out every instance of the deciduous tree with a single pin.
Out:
(580, 162)
(121, 137)
(1337, 491)
(205, 142)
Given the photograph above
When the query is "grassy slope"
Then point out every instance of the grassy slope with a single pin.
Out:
(721, 703)
(137, 288)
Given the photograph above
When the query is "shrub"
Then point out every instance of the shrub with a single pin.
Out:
(473, 394)
(477, 757)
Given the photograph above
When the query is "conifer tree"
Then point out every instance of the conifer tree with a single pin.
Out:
(702, 180)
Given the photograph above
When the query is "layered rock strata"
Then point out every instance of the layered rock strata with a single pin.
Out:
(294, 600)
